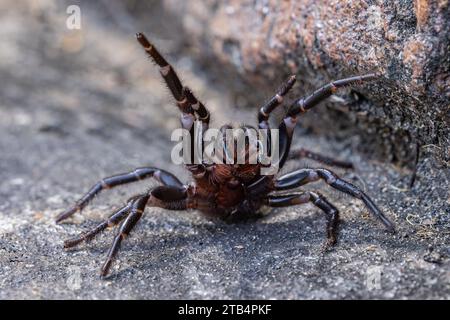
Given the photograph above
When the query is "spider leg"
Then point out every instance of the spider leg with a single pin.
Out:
(167, 197)
(186, 101)
(113, 220)
(162, 176)
(191, 108)
(226, 151)
(304, 153)
(302, 105)
(274, 102)
(202, 113)
(136, 211)
(332, 214)
(167, 72)
(303, 176)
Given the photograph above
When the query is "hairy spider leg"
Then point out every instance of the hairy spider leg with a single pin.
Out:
(332, 214)
(301, 105)
(166, 197)
(275, 101)
(303, 176)
(113, 220)
(162, 176)
(304, 104)
(192, 109)
(136, 211)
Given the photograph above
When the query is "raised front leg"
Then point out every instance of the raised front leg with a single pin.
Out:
(302, 105)
(186, 101)
(274, 102)
(191, 108)
(166, 178)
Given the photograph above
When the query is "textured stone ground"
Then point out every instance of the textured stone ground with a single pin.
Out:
(75, 107)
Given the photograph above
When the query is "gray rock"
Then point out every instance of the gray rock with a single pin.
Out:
(405, 41)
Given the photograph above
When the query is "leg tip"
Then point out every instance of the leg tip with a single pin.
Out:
(331, 242)
(328, 245)
(103, 275)
(65, 214)
(391, 229)
(71, 243)
(292, 79)
(58, 220)
(105, 269)
(142, 40)
(371, 76)
(349, 165)
(342, 164)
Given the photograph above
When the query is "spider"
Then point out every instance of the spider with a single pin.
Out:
(228, 191)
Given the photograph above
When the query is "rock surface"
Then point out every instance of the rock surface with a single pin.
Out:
(76, 106)
(405, 41)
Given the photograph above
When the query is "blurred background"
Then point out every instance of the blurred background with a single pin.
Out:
(77, 105)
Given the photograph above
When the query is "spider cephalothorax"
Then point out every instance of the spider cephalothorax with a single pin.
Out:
(223, 190)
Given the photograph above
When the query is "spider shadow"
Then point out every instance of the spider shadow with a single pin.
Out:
(244, 243)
